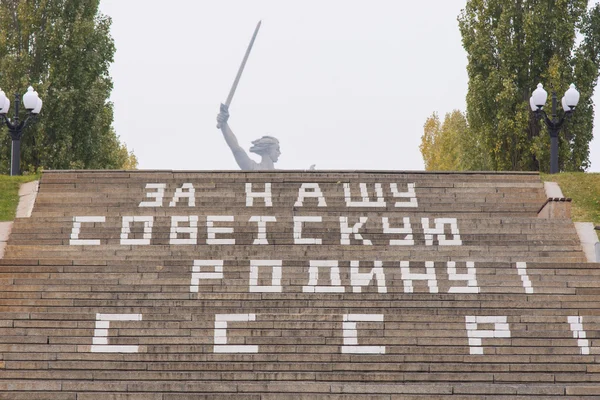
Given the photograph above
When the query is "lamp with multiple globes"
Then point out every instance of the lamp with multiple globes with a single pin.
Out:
(33, 105)
(537, 101)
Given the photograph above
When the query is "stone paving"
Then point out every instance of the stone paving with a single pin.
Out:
(166, 285)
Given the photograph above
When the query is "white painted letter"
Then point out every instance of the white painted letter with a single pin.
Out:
(197, 273)
(359, 279)
(266, 195)
(158, 195)
(408, 239)
(408, 277)
(576, 323)
(313, 278)
(470, 277)
(221, 321)
(212, 230)
(522, 270)
(126, 230)
(180, 194)
(191, 230)
(410, 194)
(366, 202)
(315, 191)
(100, 340)
(501, 330)
(350, 333)
(262, 228)
(275, 276)
(346, 231)
(298, 239)
(439, 231)
(77, 221)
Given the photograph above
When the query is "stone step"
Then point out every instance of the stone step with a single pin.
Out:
(517, 319)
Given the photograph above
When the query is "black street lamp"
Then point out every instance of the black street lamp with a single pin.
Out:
(33, 104)
(569, 102)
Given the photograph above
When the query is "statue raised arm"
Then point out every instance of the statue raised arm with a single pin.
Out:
(267, 146)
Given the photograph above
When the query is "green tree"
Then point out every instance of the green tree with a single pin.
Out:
(127, 160)
(512, 45)
(63, 48)
(429, 150)
(446, 146)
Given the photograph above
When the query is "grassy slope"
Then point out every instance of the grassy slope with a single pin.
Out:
(9, 194)
(584, 189)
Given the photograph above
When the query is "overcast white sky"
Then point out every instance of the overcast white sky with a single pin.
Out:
(343, 84)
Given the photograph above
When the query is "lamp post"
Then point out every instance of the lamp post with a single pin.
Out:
(33, 104)
(568, 102)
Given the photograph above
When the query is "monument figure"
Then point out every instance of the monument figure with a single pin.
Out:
(267, 146)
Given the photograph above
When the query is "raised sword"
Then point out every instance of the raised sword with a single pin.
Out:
(241, 69)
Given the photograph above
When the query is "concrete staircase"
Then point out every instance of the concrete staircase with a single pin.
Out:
(161, 285)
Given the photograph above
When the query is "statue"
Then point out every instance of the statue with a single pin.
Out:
(267, 146)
